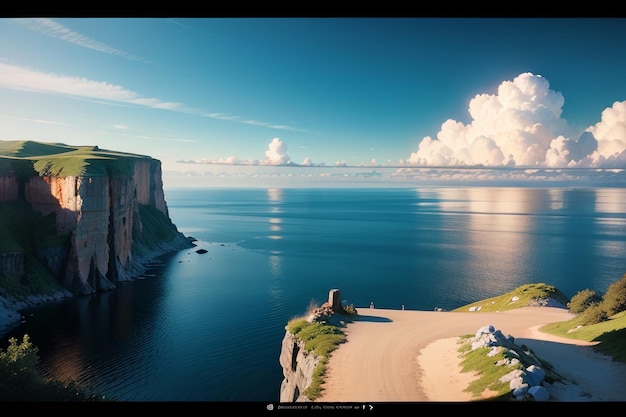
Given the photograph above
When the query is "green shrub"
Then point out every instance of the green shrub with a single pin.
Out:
(614, 300)
(20, 358)
(594, 314)
(582, 300)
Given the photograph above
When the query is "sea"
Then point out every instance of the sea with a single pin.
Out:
(206, 324)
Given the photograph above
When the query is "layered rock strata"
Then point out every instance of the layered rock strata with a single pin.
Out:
(102, 215)
(114, 225)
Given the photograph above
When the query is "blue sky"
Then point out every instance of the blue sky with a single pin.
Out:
(241, 96)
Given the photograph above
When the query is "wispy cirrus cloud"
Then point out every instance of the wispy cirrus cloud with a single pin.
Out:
(270, 125)
(56, 30)
(161, 138)
(81, 87)
(238, 119)
(38, 121)
(20, 78)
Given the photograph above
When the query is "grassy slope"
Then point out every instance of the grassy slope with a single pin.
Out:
(611, 334)
(520, 297)
(57, 159)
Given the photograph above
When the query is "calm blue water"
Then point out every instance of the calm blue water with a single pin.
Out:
(208, 327)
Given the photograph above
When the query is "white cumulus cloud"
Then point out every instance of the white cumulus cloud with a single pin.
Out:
(610, 133)
(521, 125)
(277, 153)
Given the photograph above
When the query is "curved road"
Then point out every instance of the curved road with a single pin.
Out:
(378, 362)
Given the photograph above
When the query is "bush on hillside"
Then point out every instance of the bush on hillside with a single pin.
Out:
(614, 300)
(594, 314)
(582, 300)
(18, 358)
(18, 373)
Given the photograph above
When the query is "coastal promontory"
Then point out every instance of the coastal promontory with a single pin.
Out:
(77, 220)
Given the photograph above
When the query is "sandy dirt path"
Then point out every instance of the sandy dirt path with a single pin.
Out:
(411, 356)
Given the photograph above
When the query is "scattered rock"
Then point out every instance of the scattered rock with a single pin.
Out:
(539, 393)
(525, 383)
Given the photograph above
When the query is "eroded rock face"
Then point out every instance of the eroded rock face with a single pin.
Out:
(298, 366)
(56, 195)
(99, 214)
(12, 263)
(8, 187)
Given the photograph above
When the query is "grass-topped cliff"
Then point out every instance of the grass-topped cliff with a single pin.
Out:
(78, 216)
(75, 218)
(60, 160)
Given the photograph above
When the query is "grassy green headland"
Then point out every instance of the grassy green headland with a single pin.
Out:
(23, 230)
(59, 160)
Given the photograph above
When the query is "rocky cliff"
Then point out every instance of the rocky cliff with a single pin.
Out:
(298, 366)
(109, 212)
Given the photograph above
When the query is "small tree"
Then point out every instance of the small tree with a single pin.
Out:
(582, 300)
(614, 300)
(19, 358)
(18, 369)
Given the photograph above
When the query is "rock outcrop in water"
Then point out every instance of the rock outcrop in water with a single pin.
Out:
(109, 210)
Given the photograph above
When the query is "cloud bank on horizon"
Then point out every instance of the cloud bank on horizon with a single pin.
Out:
(519, 126)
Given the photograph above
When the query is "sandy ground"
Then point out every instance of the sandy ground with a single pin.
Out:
(411, 356)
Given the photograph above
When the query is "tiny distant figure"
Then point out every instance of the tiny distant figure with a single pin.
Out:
(402, 306)
(372, 304)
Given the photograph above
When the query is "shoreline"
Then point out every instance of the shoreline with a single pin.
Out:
(11, 309)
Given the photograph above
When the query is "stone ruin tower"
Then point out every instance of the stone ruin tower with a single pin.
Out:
(334, 300)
